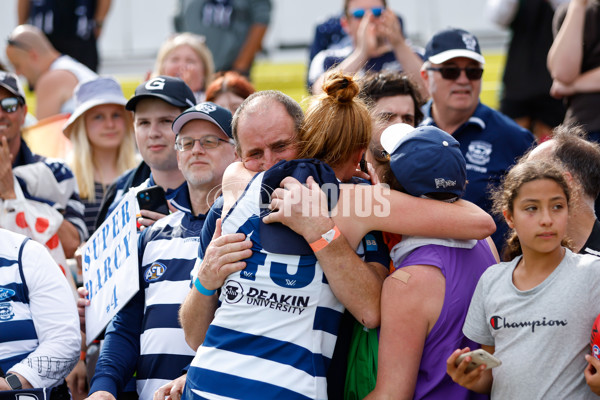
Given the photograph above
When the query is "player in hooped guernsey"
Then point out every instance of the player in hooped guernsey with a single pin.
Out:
(275, 330)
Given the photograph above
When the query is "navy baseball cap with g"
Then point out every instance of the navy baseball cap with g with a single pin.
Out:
(425, 160)
(207, 111)
(451, 43)
(172, 90)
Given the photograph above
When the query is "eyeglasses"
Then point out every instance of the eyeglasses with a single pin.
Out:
(16, 43)
(452, 73)
(10, 104)
(207, 142)
(358, 13)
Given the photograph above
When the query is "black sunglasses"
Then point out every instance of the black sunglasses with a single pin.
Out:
(452, 73)
(10, 104)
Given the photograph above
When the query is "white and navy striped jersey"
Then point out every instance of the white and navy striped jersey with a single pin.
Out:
(274, 333)
(39, 325)
(145, 336)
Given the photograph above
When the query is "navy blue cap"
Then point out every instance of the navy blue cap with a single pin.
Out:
(172, 90)
(276, 237)
(451, 43)
(206, 111)
(425, 160)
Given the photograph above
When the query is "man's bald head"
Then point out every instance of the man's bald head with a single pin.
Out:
(578, 156)
(30, 52)
(542, 152)
(29, 37)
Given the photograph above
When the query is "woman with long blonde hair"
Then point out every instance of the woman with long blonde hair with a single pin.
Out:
(101, 132)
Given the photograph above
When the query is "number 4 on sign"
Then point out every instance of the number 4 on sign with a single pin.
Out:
(113, 300)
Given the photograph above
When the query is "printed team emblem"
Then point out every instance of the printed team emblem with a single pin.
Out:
(156, 84)
(154, 272)
(206, 108)
(6, 293)
(26, 396)
(444, 183)
(6, 312)
(469, 41)
(233, 292)
(479, 152)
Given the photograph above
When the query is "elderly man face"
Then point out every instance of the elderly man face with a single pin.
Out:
(460, 94)
(266, 135)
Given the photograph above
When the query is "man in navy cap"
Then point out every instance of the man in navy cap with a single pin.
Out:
(155, 105)
(145, 336)
(490, 141)
(15, 153)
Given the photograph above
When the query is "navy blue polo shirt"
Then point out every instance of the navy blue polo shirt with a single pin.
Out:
(491, 143)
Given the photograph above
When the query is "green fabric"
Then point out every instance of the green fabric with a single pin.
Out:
(362, 363)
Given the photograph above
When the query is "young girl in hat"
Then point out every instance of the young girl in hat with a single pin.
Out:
(101, 132)
(534, 312)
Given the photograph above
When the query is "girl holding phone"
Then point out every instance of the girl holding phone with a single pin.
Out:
(534, 312)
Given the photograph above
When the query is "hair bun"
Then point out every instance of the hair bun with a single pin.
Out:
(341, 88)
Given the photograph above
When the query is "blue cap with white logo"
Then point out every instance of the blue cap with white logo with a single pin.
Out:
(452, 43)
(207, 111)
(425, 160)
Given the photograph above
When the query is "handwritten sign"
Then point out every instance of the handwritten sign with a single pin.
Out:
(110, 267)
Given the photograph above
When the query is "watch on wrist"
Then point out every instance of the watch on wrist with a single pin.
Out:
(13, 381)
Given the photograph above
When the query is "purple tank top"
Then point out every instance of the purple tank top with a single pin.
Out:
(462, 269)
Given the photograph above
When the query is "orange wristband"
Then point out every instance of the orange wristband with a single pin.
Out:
(326, 238)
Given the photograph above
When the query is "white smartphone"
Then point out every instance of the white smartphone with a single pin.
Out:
(479, 357)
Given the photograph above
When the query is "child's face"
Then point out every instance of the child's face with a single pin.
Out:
(539, 216)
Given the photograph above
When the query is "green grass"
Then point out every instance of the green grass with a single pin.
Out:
(290, 79)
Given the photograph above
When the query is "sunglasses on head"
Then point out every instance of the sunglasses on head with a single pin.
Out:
(10, 104)
(452, 73)
(16, 43)
(358, 13)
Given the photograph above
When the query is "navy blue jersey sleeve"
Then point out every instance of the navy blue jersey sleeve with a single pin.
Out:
(210, 224)
(121, 348)
(375, 249)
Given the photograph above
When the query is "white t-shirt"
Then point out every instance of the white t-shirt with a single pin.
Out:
(541, 335)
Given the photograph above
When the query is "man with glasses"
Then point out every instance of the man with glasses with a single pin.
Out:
(14, 153)
(52, 75)
(490, 141)
(155, 105)
(378, 43)
(145, 336)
